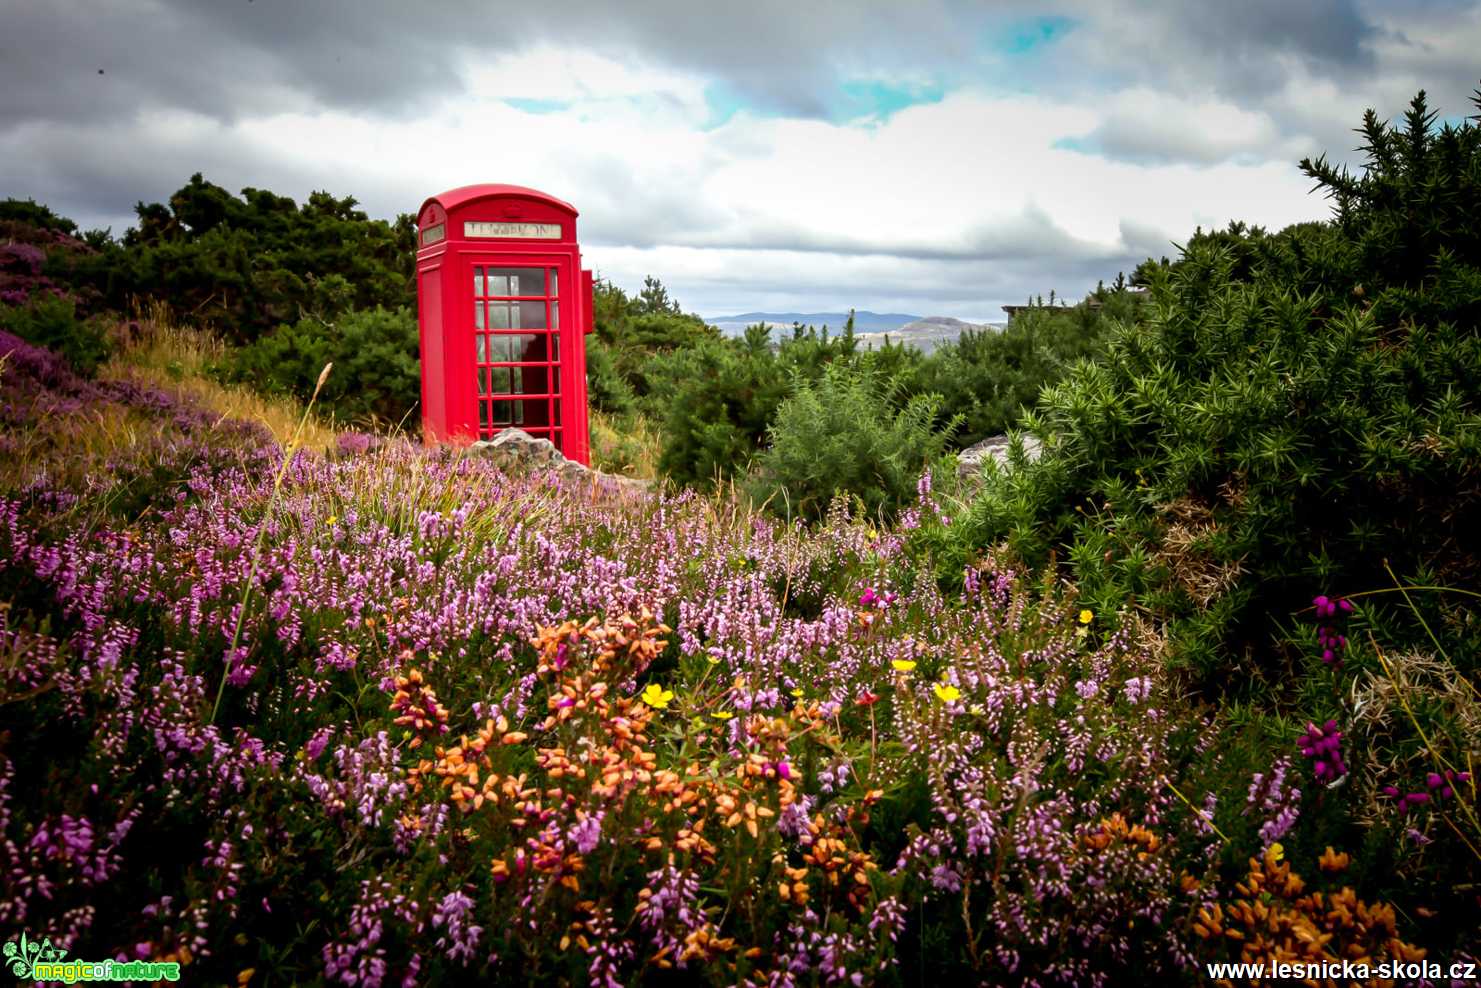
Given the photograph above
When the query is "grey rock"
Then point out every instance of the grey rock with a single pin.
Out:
(518, 448)
(971, 460)
(519, 445)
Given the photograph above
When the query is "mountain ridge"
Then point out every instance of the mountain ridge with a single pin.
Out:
(864, 320)
(872, 328)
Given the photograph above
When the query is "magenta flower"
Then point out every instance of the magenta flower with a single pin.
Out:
(1332, 643)
(1324, 746)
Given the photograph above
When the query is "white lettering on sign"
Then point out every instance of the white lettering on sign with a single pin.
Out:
(538, 231)
(432, 234)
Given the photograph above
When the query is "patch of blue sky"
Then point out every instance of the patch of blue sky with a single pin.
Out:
(1083, 144)
(1030, 35)
(722, 103)
(538, 105)
(871, 100)
(878, 100)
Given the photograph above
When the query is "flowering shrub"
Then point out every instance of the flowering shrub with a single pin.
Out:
(1332, 643)
(475, 725)
(1323, 745)
(1295, 409)
(1275, 917)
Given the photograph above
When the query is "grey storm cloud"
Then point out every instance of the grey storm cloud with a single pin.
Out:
(972, 289)
(1245, 42)
(228, 58)
(224, 58)
(107, 102)
(1031, 233)
(94, 62)
(1261, 55)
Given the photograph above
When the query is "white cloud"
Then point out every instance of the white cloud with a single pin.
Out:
(548, 72)
(1146, 125)
(950, 207)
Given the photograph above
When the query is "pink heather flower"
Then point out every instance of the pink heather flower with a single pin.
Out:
(587, 833)
(317, 743)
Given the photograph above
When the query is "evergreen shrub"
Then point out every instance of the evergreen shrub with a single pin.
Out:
(1299, 410)
(717, 398)
(376, 376)
(842, 434)
(52, 322)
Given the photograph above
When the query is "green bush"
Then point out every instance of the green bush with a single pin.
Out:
(990, 378)
(842, 434)
(376, 377)
(720, 396)
(606, 389)
(636, 331)
(1298, 409)
(717, 398)
(247, 263)
(52, 322)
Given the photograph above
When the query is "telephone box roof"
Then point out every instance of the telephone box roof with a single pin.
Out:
(454, 198)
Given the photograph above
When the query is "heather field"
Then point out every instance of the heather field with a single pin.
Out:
(375, 714)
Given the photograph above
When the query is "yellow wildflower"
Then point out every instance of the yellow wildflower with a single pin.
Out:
(903, 665)
(331, 519)
(1086, 616)
(947, 692)
(797, 692)
(656, 696)
(722, 714)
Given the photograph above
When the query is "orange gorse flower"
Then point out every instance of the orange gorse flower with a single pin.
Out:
(417, 706)
(1332, 862)
(594, 758)
(1275, 918)
(1114, 829)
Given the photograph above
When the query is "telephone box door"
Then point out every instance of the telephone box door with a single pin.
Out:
(519, 344)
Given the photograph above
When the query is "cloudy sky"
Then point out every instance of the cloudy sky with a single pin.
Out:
(927, 157)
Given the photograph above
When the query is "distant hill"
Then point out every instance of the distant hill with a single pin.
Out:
(864, 322)
(928, 333)
(943, 324)
(923, 332)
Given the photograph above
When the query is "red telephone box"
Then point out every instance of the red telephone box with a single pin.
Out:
(503, 307)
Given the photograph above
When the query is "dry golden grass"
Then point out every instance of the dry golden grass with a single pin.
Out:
(1184, 551)
(1382, 702)
(176, 359)
(627, 447)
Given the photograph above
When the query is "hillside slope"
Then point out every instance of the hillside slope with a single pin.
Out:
(395, 714)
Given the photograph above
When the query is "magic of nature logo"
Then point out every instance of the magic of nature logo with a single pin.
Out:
(40, 961)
